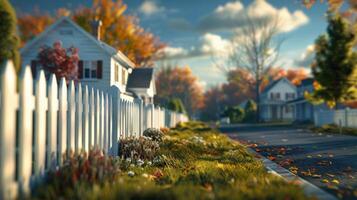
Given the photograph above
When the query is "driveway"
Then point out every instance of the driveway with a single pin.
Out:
(328, 161)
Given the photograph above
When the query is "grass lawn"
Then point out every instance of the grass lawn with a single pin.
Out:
(334, 129)
(194, 162)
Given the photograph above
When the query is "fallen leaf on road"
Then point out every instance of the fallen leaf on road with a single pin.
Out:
(293, 169)
(335, 181)
(325, 163)
(330, 175)
(319, 155)
(325, 181)
(272, 158)
(316, 176)
(309, 156)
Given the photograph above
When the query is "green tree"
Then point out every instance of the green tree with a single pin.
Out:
(175, 104)
(335, 63)
(250, 110)
(9, 40)
(235, 114)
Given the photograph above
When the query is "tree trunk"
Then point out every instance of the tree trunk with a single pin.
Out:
(257, 94)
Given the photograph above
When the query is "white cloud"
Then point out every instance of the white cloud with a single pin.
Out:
(150, 7)
(233, 15)
(210, 45)
(307, 57)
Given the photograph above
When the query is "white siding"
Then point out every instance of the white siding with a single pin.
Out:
(282, 87)
(88, 50)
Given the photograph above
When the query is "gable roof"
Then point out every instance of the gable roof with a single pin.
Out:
(140, 78)
(116, 54)
(306, 82)
(274, 83)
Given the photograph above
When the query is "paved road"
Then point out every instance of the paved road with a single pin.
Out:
(326, 160)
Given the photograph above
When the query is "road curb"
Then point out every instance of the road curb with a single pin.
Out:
(309, 188)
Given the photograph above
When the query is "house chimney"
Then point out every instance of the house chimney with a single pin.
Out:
(96, 24)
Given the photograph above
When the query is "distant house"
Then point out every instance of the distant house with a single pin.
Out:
(273, 101)
(100, 64)
(141, 83)
(304, 110)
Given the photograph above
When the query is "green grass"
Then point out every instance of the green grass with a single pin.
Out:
(194, 162)
(334, 129)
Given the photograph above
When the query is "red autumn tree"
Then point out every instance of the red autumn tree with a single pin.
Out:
(60, 61)
(179, 82)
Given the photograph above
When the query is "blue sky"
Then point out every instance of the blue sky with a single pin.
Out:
(196, 29)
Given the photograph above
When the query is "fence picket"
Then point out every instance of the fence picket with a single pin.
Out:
(52, 122)
(101, 119)
(9, 103)
(26, 107)
(40, 126)
(71, 117)
(91, 119)
(105, 127)
(85, 118)
(96, 119)
(79, 109)
(62, 120)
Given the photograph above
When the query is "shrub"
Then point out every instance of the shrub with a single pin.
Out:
(235, 114)
(135, 149)
(154, 134)
(250, 110)
(78, 169)
(9, 40)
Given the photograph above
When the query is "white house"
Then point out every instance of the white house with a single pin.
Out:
(100, 64)
(273, 101)
(304, 110)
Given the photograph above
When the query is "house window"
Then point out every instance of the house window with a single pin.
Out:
(123, 76)
(116, 73)
(289, 96)
(288, 109)
(90, 69)
(275, 96)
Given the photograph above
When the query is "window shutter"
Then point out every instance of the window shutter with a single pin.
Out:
(99, 69)
(34, 68)
(80, 69)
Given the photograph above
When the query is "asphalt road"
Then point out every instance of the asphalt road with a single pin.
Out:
(328, 161)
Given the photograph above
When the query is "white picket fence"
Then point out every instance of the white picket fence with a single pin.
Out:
(342, 117)
(45, 120)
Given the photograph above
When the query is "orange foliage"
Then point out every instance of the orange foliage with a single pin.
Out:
(32, 25)
(240, 86)
(179, 82)
(118, 30)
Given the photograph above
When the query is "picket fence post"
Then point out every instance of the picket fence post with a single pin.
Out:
(9, 103)
(71, 118)
(79, 110)
(52, 122)
(62, 120)
(26, 107)
(116, 118)
(40, 126)
(85, 118)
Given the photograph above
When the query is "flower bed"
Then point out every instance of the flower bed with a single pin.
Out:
(192, 162)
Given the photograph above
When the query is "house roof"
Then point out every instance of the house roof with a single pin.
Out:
(306, 82)
(116, 54)
(274, 83)
(298, 100)
(140, 78)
